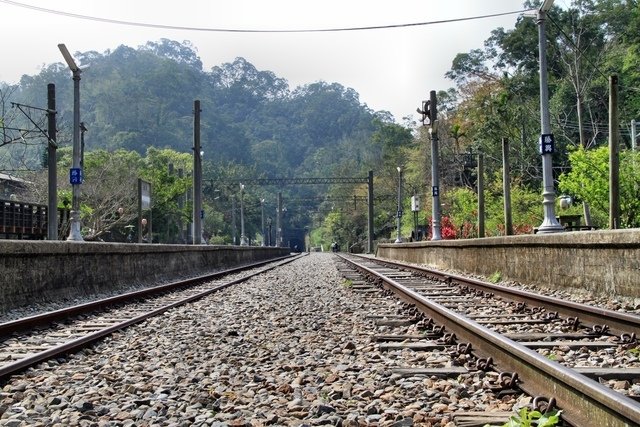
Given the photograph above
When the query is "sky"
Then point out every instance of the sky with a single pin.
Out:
(392, 69)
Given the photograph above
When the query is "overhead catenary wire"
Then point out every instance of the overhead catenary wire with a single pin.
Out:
(240, 30)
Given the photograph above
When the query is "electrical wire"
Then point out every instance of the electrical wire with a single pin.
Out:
(232, 30)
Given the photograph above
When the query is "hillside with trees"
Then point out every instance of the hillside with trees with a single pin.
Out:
(137, 104)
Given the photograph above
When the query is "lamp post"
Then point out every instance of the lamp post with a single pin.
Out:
(75, 174)
(399, 213)
(243, 239)
(549, 224)
(262, 213)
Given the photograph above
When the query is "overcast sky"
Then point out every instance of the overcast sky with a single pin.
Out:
(392, 69)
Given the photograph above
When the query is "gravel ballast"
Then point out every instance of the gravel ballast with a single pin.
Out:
(293, 347)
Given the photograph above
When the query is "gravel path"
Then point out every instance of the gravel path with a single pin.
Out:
(292, 348)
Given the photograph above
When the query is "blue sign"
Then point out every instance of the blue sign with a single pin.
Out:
(547, 143)
(75, 176)
(435, 191)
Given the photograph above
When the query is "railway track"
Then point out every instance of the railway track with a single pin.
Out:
(525, 338)
(28, 341)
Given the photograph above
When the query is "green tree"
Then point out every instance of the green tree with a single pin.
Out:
(588, 180)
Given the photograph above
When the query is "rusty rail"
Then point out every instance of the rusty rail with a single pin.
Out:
(585, 402)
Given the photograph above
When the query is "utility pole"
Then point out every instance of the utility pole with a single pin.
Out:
(52, 207)
(435, 170)
(506, 186)
(197, 176)
(234, 227)
(399, 213)
(279, 220)
(480, 195)
(262, 222)
(614, 155)
(370, 213)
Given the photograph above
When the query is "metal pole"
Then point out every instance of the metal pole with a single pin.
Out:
(140, 210)
(480, 195)
(506, 186)
(263, 229)
(279, 220)
(371, 235)
(197, 176)
(435, 171)
(399, 213)
(614, 155)
(550, 224)
(243, 238)
(633, 135)
(234, 228)
(52, 206)
(74, 229)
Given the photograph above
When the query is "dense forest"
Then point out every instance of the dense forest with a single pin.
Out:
(137, 105)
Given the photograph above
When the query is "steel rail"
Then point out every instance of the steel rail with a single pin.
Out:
(585, 402)
(618, 322)
(84, 341)
(27, 323)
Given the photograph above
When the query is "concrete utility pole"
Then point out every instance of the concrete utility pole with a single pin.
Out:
(52, 201)
(262, 222)
(234, 227)
(243, 238)
(279, 220)
(75, 174)
(547, 144)
(435, 170)
(370, 213)
(399, 213)
(197, 176)
(506, 186)
(480, 195)
(614, 155)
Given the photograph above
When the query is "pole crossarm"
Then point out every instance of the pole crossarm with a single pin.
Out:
(295, 181)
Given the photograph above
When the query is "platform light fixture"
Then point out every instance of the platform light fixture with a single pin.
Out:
(75, 174)
(547, 144)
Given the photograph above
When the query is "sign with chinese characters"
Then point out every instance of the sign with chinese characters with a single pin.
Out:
(547, 143)
(75, 176)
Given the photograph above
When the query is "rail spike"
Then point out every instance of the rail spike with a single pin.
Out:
(573, 322)
(508, 380)
(627, 338)
(448, 339)
(600, 329)
(543, 404)
(483, 364)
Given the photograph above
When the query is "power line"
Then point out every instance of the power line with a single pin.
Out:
(235, 30)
